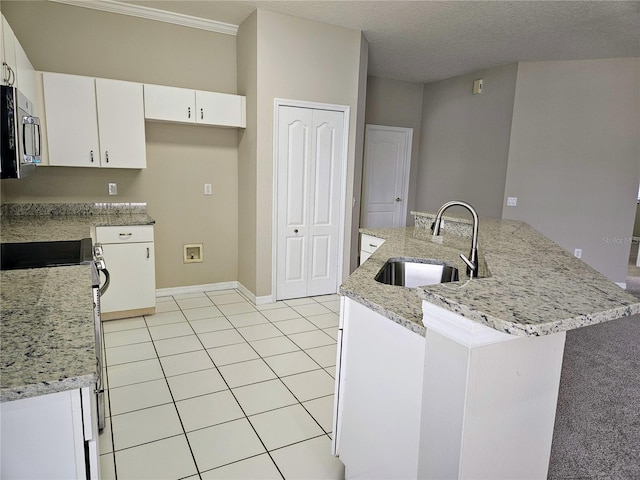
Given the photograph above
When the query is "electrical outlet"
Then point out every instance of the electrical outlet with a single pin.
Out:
(577, 253)
(113, 189)
(207, 189)
(512, 201)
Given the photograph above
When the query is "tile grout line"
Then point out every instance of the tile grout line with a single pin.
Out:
(261, 357)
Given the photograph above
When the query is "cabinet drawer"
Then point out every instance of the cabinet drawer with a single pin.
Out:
(125, 234)
(370, 244)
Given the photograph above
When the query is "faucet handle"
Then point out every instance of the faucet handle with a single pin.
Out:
(469, 263)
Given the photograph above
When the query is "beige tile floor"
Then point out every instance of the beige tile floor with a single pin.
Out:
(214, 387)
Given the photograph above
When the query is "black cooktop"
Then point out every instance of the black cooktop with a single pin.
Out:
(14, 256)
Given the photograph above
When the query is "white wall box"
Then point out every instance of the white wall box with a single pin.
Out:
(183, 105)
(130, 260)
(368, 245)
(94, 122)
(50, 436)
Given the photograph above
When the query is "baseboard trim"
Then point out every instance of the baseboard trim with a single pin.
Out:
(208, 287)
(251, 296)
(212, 287)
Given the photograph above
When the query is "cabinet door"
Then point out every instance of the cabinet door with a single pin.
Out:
(131, 268)
(8, 54)
(121, 124)
(169, 104)
(26, 76)
(222, 109)
(72, 124)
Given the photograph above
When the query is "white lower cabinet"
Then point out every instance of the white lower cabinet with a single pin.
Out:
(378, 395)
(130, 259)
(368, 245)
(50, 436)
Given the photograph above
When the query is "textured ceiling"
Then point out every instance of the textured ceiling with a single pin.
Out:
(425, 41)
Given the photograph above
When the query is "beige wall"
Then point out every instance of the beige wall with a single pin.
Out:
(464, 143)
(301, 60)
(180, 158)
(247, 153)
(398, 104)
(574, 156)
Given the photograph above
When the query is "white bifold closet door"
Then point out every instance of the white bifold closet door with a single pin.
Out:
(310, 155)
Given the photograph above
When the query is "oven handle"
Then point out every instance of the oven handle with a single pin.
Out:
(105, 285)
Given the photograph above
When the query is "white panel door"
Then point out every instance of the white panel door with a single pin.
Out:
(310, 151)
(387, 158)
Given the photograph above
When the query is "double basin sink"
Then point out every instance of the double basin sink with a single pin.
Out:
(416, 273)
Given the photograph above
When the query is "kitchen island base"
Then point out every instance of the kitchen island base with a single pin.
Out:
(465, 401)
(489, 400)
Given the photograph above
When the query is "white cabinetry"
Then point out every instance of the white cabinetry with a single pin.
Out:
(378, 395)
(50, 436)
(16, 67)
(94, 122)
(130, 260)
(368, 245)
(182, 105)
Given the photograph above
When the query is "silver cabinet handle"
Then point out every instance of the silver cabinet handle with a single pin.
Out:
(11, 75)
(398, 199)
(106, 155)
(125, 235)
(373, 245)
(91, 155)
(295, 231)
(202, 114)
(148, 254)
(188, 112)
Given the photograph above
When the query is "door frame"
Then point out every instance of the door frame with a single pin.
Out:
(346, 110)
(408, 146)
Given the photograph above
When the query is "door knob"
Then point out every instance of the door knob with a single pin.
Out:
(398, 199)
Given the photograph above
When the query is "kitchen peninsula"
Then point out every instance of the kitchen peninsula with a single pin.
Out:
(48, 368)
(460, 379)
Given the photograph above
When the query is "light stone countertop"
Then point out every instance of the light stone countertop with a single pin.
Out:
(47, 341)
(531, 286)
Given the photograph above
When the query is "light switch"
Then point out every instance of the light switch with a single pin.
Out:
(512, 201)
(207, 189)
(113, 189)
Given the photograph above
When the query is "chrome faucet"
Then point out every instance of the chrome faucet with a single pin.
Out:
(472, 261)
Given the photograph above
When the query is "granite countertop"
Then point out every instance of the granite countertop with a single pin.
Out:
(47, 333)
(529, 285)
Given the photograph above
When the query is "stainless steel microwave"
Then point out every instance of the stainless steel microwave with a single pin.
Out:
(20, 134)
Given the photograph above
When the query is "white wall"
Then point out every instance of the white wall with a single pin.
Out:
(574, 156)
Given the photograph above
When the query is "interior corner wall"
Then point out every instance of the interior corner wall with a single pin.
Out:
(351, 261)
(464, 142)
(574, 156)
(299, 59)
(247, 51)
(397, 103)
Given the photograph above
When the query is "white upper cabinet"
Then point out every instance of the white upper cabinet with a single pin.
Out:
(16, 67)
(222, 109)
(94, 122)
(71, 115)
(121, 124)
(9, 67)
(169, 104)
(182, 105)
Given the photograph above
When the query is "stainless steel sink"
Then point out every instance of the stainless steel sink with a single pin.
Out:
(416, 273)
